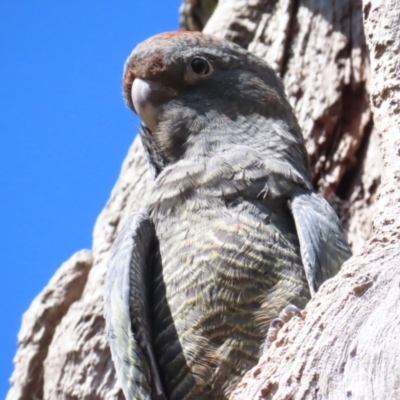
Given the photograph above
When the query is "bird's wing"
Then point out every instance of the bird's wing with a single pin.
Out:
(126, 309)
(323, 244)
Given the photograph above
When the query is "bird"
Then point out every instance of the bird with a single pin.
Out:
(233, 232)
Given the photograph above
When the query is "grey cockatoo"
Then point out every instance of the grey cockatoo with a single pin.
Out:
(233, 232)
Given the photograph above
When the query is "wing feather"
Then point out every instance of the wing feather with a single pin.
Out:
(126, 309)
(323, 243)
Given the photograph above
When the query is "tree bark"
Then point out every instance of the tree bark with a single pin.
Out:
(346, 343)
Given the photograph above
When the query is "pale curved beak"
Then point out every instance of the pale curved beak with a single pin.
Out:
(147, 97)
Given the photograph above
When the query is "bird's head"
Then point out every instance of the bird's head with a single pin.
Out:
(196, 94)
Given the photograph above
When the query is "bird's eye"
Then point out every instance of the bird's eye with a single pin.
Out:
(200, 66)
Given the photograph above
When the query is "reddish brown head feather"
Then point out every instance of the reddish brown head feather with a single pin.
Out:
(153, 65)
(170, 35)
(144, 69)
(127, 82)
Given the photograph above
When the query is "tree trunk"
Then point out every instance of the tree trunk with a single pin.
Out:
(346, 343)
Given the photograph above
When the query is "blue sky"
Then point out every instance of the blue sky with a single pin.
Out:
(64, 132)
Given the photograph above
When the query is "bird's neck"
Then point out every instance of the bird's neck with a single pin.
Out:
(198, 135)
(272, 138)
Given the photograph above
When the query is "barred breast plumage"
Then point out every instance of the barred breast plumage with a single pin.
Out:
(227, 266)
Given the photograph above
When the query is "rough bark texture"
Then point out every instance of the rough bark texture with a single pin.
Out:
(41, 321)
(346, 344)
(194, 14)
